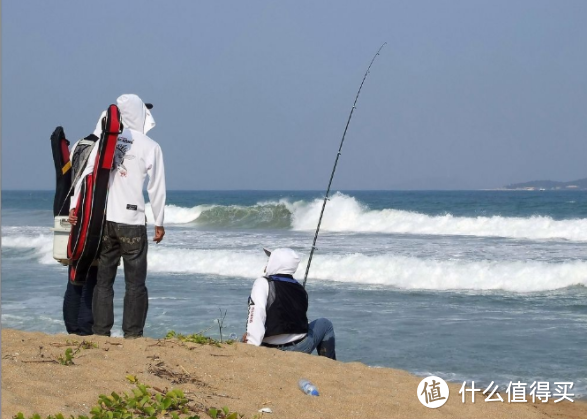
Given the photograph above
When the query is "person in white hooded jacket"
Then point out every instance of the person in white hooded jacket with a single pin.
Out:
(277, 310)
(125, 233)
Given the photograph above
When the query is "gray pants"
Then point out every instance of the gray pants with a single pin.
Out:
(130, 243)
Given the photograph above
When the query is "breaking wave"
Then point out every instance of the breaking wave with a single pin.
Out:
(387, 270)
(39, 247)
(345, 214)
(270, 215)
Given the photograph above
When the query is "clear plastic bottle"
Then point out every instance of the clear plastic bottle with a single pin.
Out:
(308, 388)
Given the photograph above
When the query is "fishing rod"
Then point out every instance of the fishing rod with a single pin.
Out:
(336, 162)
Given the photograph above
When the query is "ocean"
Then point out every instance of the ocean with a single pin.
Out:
(464, 285)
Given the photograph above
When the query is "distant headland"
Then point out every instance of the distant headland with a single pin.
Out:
(549, 185)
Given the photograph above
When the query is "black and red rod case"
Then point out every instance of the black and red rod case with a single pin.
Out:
(86, 235)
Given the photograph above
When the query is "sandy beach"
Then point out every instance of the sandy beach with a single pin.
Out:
(241, 377)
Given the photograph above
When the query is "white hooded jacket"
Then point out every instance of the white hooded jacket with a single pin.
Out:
(136, 156)
(282, 261)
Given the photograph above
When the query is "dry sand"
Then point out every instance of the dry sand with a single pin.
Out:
(239, 376)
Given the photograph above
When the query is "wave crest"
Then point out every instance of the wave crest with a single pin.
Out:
(345, 214)
(387, 270)
(37, 247)
(263, 215)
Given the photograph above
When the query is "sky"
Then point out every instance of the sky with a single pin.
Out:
(466, 94)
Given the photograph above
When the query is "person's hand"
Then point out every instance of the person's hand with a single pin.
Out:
(159, 233)
(72, 218)
(244, 338)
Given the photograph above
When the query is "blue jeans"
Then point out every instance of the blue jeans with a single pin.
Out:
(77, 305)
(130, 243)
(320, 336)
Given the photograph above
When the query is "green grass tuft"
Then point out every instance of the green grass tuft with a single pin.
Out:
(196, 338)
(67, 357)
(140, 403)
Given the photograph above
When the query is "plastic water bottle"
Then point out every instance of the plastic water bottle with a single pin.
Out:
(308, 388)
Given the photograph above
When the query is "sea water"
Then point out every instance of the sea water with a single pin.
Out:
(467, 285)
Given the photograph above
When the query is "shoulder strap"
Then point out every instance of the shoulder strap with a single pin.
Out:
(281, 279)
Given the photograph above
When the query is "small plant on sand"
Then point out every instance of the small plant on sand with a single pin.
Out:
(194, 338)
(221, 322)
(37, 416)
(88, 344)
(141, 403)
(84, 344)
(223, 413)
(66, 358)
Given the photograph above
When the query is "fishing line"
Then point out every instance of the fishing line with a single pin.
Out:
(336, 163)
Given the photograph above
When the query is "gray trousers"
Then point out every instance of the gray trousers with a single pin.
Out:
(130, 243)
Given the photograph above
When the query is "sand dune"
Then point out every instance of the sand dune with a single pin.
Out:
(238, 376)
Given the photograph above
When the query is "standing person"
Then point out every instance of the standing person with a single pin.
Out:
(277, 310)
(77, 301)
(125, 233)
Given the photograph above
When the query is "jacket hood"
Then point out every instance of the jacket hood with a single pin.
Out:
(282, 261)
(135, 114)
(98, 131)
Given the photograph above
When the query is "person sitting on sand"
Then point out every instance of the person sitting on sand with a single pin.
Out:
(277, 310)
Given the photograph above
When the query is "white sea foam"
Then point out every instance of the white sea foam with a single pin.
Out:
(177, 215)
(388, 270)
(345, 214)
(213, 262)
(41, 246)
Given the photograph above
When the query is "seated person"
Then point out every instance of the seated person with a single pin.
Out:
(277, 310)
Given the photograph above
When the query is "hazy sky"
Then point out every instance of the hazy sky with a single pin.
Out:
(255, 94)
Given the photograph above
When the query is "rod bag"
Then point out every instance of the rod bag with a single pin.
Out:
(60, 150)
(86, 235)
